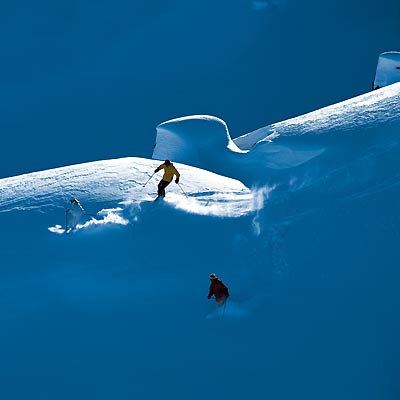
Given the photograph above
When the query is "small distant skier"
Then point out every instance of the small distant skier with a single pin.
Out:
(169, 172)
(218, 289)
(74, 214)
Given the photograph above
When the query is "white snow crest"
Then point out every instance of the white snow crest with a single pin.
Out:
(110, 217)
(222, 204)
(366, 110)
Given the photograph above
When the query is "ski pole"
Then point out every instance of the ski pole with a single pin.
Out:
(182, 190)
(66, 221)
(148, 180)
(223, 311)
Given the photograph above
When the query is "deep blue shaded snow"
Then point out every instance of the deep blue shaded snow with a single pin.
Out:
(116, 311)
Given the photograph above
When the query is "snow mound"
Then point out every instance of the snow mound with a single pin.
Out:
(206, 133)
(388, 69)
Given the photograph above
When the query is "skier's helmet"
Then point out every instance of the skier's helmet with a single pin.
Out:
(213, 276)
(167, 162)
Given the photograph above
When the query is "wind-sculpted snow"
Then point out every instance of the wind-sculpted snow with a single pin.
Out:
(195, 138)
(108, 183)
(301, 152)
(205, 140)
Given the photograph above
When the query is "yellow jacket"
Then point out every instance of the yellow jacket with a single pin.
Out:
(169, 172)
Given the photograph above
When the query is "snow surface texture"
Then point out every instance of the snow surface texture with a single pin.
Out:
(122, 181)
(118, 308)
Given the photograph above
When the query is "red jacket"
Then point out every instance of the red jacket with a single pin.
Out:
(218, 289)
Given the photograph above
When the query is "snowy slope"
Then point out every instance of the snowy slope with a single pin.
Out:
(112, 182)
(369, 110)
(120, 306)
(118, 309)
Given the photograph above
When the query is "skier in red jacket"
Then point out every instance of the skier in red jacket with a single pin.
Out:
(218, 289)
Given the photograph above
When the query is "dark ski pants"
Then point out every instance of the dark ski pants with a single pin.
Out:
(220, 300)
(161, 187)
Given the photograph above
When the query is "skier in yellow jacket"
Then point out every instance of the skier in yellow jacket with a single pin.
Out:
(169, 172)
